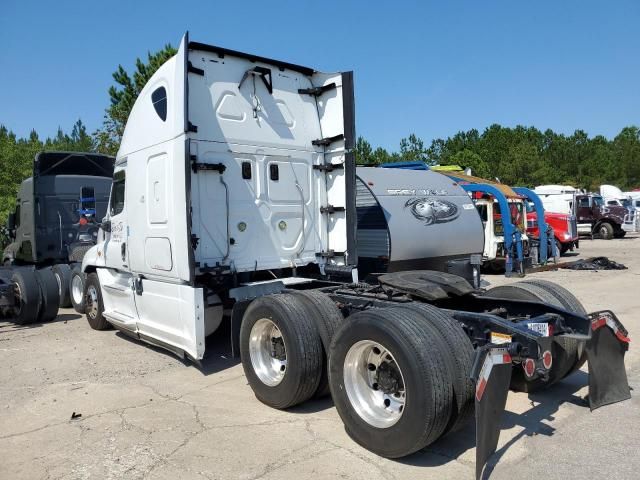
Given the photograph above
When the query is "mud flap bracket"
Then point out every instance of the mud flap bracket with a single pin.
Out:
(492, 375)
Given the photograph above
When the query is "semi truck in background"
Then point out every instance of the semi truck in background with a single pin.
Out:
(613, 196)
(592, 215)
(565, 228)
(634, 196)
(235, 190)
(56, 220)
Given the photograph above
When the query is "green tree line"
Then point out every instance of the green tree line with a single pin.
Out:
(525, 156)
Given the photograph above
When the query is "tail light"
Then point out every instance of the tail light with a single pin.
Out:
(547, 359)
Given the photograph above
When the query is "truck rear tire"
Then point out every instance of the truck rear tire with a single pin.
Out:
(77, 289)
(605, 230)
(389, 381)
(564, 296)
(564, 350)
(281, 350)
(62, 271)
(94, 307)
(328, 320)
(49, 296)
(460, 352)
(28, 298)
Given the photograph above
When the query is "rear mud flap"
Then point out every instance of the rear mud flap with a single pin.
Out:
(605, 352)
(492, 374)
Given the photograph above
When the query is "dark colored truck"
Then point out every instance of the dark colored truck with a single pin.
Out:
(55, 222)
(606, 221)
(592, 215)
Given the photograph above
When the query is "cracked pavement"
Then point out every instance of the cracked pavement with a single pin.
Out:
(147, 415)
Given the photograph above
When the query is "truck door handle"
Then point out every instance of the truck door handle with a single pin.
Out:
(123, 251)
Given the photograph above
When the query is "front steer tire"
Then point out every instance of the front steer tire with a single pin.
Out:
(281, 350)
(425, 378)
(605, 230)
(94, 306)
(77, 289)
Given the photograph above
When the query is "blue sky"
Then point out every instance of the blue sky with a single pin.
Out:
(431, 68)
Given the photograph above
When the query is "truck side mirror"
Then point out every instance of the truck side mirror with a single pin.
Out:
(106, 225)
(11, 221)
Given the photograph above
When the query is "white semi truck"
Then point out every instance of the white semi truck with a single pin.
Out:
(234, 190)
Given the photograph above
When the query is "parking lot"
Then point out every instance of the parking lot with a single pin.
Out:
(142, 413)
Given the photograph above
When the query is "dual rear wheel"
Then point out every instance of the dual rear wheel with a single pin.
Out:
(36, 295)
(398, 376)
(568, 353)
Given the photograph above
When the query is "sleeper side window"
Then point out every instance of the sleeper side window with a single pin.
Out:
(116, 205)
(159, 100)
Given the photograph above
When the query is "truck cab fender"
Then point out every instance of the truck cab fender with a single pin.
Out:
(93, 258)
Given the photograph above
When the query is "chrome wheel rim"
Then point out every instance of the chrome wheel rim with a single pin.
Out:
(76, 289)
(374, 384)
(268, 352)
(92, 302)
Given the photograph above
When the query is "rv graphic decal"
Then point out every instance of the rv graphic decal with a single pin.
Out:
(432, 210)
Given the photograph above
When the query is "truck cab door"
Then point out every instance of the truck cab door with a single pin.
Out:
(116, 280)
(169, 307)
(584, 209)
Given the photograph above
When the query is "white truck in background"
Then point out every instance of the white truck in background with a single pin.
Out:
(613, 196)
(234, 189)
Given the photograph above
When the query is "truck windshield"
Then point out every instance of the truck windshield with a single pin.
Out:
(530, 207)
(87, 202)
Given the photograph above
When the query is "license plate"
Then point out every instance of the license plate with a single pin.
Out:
(541, 328)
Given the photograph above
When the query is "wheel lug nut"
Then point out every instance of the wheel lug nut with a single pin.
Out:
(387, 402)
(371, 367)
(376, 350)
(282, 368)
(375, 386)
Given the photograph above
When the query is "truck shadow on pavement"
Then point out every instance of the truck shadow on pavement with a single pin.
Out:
(7, 324)
(217, 357)
(537, 420)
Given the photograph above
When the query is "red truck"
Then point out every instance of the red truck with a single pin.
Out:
(565, 228)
